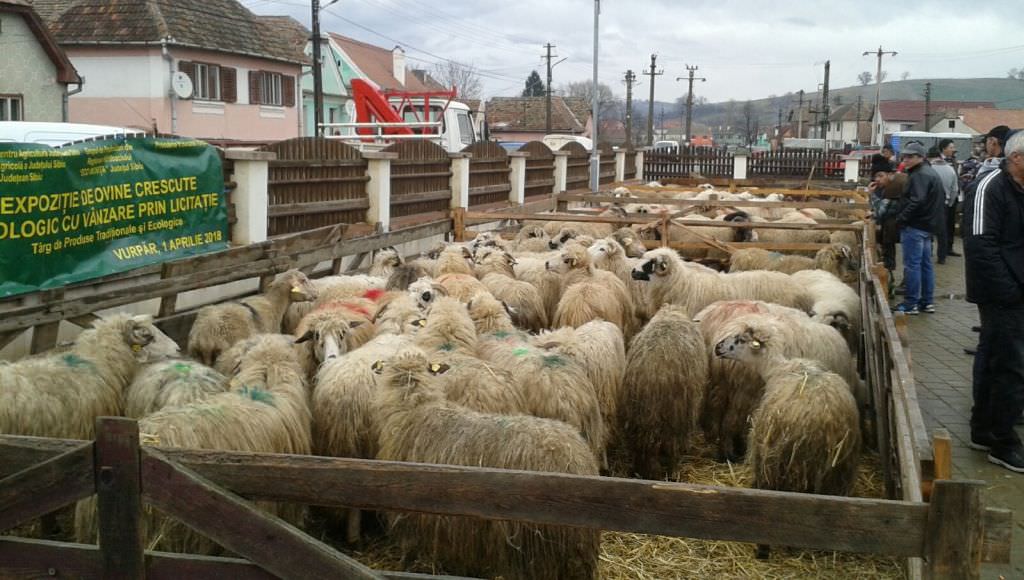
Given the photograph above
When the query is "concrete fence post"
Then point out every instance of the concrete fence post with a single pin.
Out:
(851, 171)
(620, 165)
(378, 189)
(460, 179)
(251, 195)
(517, 177)
(561, 171)
(639, 160)
(739, 164)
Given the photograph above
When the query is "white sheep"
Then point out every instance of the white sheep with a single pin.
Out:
(835, 303)
(171, 383)
(591, 294)
(670, 281)
(496, 269)
(219, 326)
(61, 394)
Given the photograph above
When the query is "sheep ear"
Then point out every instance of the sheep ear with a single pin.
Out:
(377, 367)
(572, 262)
(380, 312)
(356, 323)
(305, 337)
(662, 266)
(627, 241)
(438, 368)
(511, 311)
(466, 253)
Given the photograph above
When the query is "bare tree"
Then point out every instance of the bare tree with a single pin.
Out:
(751, 123)
(1016, 73)
(463, 77)
(905, 75)
(865, 78)
(607, 104)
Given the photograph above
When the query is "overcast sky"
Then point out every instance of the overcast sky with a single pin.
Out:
(745, 48)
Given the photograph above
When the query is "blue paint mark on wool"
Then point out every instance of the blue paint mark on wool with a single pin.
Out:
(258, 395)
(75, 361)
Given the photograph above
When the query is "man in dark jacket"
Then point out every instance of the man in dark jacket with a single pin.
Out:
(886, 189)
(994, 246)
(920, 217)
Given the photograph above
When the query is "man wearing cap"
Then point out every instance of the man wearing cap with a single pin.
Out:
(951, 187)
(994, 141)
(994, 257)
(919, 218)
(886, 189)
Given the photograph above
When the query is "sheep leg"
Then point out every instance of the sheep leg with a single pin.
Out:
(353, 525)
(762, 552)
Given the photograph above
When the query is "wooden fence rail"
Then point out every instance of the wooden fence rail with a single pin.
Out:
(200, 487)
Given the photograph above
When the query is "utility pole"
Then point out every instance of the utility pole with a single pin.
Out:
(595, 155)
(928, 106)
(547, 92)
(856, 130)
(825, 105)
(876, 133)
(689, 98)
(650, 104)
(318, 82)
(778, 130)
(630, 79)
(800, 117)
(661, 122)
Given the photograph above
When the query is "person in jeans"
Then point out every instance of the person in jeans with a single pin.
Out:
(993, 228)
(886, 189)
(920, 217)
(951, 187)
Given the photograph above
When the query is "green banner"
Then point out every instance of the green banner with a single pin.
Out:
(93, 209)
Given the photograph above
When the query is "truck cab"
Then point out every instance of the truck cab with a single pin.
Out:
(458, 129)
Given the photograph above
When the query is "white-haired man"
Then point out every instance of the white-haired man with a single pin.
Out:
(994, 257)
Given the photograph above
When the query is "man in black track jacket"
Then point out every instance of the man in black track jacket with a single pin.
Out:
(994, 247)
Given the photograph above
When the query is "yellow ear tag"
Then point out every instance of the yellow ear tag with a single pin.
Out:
(377, 367)
(422, 323)
(136, 347)
(434, 367)
(755, 344)
(296, 289)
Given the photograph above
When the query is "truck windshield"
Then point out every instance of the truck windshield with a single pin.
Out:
(465, 129)
(414, 114)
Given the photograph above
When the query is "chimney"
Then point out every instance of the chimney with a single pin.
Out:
(398, 64)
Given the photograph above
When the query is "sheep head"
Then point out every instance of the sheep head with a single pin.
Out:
(488, 312)
(531, 232)
(388, 258)
(425, 291)
(300, 288)
(602, 252)
(562, 237)
(495, 260)
(630, 242)
(572, 257)
(406, 378)
(749, 345)
(656, 263)
(145, 340)
(328, 334)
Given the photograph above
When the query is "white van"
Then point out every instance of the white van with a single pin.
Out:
(56, 134)
(557, 141)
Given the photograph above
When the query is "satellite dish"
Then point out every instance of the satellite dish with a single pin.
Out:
(181, 84)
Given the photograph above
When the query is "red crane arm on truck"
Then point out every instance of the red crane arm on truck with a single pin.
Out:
(374, 106)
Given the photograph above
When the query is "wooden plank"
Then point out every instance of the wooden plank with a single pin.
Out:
(773, 246)
(314, 180)
(998, 536)
(407, 198)
(84, 321)
(168, 304)
(119, 498)
(287, 209)
(46, 486)
(424, 175)
(44, 337)
(942, 451)
(9, 336)
(648, 218)
(317, 163)
(953, 543)
(235, 524)
(629, 505)
(18, 452)
(27, 559)
(824, 205)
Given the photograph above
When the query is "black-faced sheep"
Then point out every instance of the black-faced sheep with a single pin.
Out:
(420, 425)
(61, 394)
(805, 433)
(219, 326)
(265, 410)
(670, 281)
(662, 393)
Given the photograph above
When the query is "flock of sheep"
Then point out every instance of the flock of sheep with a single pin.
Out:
(567, 349)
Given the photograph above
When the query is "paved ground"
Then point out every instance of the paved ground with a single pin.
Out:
(943, 374)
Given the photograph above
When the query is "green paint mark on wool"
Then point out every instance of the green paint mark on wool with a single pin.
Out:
(75, 361)
(258, 395)
(521, 351)
(501, 334)
(182, 368)
(447, 347)
(554, 360)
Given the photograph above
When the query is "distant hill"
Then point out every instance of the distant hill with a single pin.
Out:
(1005, 93)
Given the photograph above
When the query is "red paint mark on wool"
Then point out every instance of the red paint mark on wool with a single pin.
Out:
(374, 294)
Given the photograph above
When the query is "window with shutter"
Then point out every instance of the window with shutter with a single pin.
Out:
(288, 84)
(254, 87)
(188, 68)
(228, 85)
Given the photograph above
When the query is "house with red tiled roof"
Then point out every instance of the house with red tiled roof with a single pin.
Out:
(36, 71)
(238, 78)
(525, 118)
(894, 116)
(850, 124)
(976, 121)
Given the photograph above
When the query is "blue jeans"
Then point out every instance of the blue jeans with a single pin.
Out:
(917, 267)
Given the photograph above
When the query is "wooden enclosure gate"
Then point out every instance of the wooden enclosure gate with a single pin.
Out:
(664, 163)
(795, 163)
(488, 174)
(630, 172)
(606, 164)
(540, 167)
(420, 180)
(314, 182)
(204, 489)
